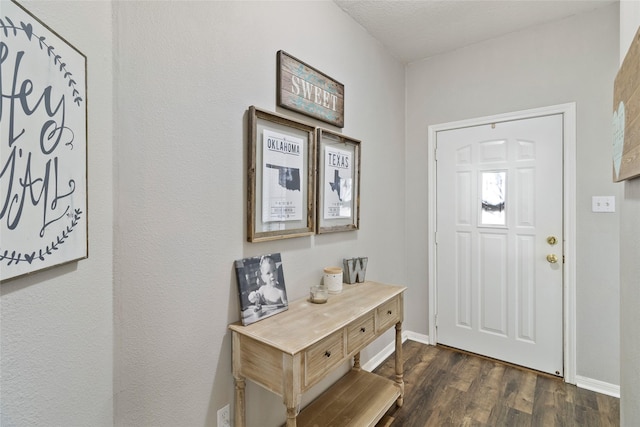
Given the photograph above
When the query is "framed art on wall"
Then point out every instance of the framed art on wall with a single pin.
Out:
(338, 206)
(281, 177)
(626, 110)
(43, 146)
(308, 91)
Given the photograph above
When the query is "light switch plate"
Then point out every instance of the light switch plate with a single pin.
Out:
(603, 204)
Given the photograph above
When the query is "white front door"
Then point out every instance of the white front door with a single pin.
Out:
(498, 269)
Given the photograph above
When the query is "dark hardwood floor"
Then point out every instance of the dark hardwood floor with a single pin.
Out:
(444, 387)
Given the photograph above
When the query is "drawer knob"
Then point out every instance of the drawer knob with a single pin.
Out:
(389, 312)
(327, 353)
(363, 330)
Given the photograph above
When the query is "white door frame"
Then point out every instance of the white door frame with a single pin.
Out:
(569, 231)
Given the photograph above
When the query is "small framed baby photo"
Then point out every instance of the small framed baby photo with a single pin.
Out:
(261, 287)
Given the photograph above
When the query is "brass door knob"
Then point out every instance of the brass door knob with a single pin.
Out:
(552, 258)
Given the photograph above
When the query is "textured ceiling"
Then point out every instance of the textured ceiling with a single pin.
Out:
(414, 30)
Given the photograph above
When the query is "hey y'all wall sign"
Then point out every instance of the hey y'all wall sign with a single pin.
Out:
(43, 146)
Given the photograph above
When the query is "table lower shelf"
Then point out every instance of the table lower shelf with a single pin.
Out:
(358, 399)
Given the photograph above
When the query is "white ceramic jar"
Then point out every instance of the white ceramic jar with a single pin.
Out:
(333, 279)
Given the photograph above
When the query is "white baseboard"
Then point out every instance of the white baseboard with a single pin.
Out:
(389, 349)
(582, 382)
(414, 336)
(598, 386)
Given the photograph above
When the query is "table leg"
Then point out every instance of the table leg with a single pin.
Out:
(356, 361)
(291, 386)
(292, 414)
(399, 364)
(239, 412)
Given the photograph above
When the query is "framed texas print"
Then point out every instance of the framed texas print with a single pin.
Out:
(338, 206)
(281, 172)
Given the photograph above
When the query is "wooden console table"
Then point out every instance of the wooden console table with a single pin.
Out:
(290, 352)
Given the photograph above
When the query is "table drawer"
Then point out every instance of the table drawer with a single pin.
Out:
(388, 314)
(361, 332)
(321, 357)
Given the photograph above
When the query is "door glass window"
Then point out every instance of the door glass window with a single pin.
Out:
(493, 192)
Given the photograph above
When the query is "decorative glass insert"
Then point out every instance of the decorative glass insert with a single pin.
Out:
(493, 192)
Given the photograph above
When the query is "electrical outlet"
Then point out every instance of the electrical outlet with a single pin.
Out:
(224, 418)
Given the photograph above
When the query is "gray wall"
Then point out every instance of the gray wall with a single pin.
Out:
(136, 334)
(629, 303)
(56, 326)
(187, 72)
(629, 265)
(573, 60)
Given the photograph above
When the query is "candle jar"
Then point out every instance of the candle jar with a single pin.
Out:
(318, 294)
(333, 279)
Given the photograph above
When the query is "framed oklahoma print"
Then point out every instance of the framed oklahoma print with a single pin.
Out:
(281, 177)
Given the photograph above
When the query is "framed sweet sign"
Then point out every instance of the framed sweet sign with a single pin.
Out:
(306, 90)
(43, 146)
(338, 207)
